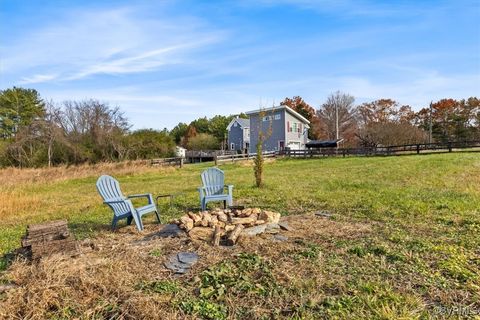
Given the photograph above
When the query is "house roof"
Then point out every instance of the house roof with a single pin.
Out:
(281, 107)
(244, 123)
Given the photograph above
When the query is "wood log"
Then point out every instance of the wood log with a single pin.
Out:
(187, 222)
(206, 218)
(229, 227)
(213, 222)
(217, 235)
(216, 211)
(233, 237)
(247, 220)
(256, 211)
(48, 238)
(194, 217)
(55, 246)
(270, 216)
(29, 240)
(246, 212)
(41, 227)
(201, 234)
(222, 217)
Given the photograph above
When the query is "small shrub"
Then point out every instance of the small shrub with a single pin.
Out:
(164, 286)
(203, 308)
(247, 273)
(155, 253)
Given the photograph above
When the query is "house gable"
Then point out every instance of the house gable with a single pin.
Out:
(238, 134)
(244, 123)
(289, 128)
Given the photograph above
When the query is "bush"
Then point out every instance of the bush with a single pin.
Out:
(203, 141)
(149, 143)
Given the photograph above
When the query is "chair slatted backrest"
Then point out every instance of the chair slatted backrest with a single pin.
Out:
(213, 181)
(109, 189)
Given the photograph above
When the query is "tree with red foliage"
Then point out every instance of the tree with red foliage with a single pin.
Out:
(385, 122)
(452, 120)
(191, 132)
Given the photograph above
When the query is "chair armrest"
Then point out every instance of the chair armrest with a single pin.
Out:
(115, 201)
(201, 190)
(143, 195)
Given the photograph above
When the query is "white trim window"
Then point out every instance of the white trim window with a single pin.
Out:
(278, 116)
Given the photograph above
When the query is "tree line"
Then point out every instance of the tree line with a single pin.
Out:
(386, 122)
(35, 132)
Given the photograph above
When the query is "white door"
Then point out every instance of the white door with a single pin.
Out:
(294, 145)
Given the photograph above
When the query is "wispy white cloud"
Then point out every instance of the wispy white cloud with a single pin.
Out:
(38, 78)
(115, 41)
(163, 67)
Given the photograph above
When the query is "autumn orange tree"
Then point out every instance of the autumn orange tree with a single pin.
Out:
(451, 120)
(386, 122)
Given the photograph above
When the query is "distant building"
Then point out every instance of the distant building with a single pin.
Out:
(239, 135)
(180, 152)
(289, 129)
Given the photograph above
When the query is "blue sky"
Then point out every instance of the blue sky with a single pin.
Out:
(167, 61)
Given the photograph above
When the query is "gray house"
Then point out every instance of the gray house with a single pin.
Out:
(239, 135)
(289, 129)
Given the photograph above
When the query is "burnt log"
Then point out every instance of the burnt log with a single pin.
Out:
(233, 237)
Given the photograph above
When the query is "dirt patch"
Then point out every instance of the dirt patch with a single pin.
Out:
(106, 280)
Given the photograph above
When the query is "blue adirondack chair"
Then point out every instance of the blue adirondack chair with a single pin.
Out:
(122, 206)
(213, 188)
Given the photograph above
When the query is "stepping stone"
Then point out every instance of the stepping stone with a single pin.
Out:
(170, 230)
(189, 258)
(167, 231)
(272, 228)
(253, 231)
(180, 263)
(284, 225)
(280, 237)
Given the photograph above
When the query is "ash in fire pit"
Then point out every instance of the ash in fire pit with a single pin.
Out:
(226, 226)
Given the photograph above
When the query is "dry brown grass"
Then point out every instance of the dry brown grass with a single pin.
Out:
(18, 196)
(103, 282)
(13, 177)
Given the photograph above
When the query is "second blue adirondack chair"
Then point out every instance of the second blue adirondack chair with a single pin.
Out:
(122, 206)
(213, 188)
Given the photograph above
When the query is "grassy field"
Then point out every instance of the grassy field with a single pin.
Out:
(419, 259)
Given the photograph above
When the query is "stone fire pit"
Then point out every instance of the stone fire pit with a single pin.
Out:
(226, 226)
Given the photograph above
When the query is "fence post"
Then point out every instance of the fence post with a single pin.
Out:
(181, 162)
(449, 146)
(418, 149)
(343, 153)
(215, 158)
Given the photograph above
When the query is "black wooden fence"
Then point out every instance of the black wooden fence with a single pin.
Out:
(384, 151)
